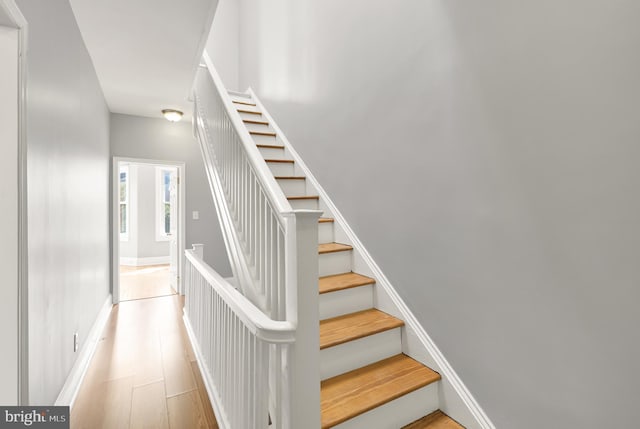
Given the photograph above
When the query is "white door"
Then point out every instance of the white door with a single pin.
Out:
(173, 230)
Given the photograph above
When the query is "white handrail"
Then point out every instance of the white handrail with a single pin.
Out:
(236, 347)
(273, 251)
(229, 233)
(272, 331)
(274, 192)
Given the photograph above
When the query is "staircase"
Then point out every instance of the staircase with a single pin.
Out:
(366, 379)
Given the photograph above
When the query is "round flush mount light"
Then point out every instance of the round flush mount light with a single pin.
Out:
(172, 115)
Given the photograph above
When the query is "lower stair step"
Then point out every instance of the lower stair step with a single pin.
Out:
(343, 281)
(333, 247)
(356, 392)
(435, 420)
(341, 329)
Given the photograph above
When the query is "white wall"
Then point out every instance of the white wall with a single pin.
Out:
(159, 139)
(223, 42)
(487, 155)
(142, 242)
(68, 194)
(9, 215)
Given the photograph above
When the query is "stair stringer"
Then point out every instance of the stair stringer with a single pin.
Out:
(455, 398)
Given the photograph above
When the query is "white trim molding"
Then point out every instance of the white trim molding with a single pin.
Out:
(115, 236)
(19, 22)
(69, 392)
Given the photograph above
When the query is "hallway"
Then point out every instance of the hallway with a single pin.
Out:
(144, 282)
(144, 373)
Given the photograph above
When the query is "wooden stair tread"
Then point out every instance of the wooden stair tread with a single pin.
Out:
(251, 112)
(243, 102)
(270, 146)
(255, 121)
(290, 161)
(343, 281)
(349, 327)
(356, 392)
(435, 420)
(333, 247)
(289, 177)
(326, 220)
(263, 133)
(304, 197)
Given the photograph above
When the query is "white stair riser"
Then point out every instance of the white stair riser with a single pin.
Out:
(245, 107)
(304, 204)
(281, 168)
(272, 153)
(243, 100)
(358, 353)
(258, 127)
(250, 116)
(240, 96)
(334, 263)
(292, 187)
(259, 139)
(325, 232)
(399, 412)
(346, 301)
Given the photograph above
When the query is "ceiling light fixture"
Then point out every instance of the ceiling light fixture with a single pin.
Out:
(172, 115)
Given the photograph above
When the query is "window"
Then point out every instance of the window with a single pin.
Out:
(124, 203)
(163, 210)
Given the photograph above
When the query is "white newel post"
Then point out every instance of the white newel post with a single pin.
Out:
(302, 310)
(198, 249)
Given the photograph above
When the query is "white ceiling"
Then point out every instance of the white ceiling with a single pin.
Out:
(145, 52)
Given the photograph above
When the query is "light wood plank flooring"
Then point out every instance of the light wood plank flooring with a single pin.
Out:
(144, 282)
(144, 373)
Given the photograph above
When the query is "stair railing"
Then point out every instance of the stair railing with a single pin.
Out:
(274, 258)
(234, 338)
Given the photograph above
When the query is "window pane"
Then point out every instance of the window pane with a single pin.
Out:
(167, 218)
(123, 218)
(123, 186)
(166, 180)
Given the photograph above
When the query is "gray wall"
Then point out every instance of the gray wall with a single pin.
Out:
(223, 42)
(9, 213)
(159, 139)
(487, 155)
(142, 241)
(68, 201)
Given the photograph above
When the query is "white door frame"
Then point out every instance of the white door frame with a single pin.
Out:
(115, 237)
(11, 10)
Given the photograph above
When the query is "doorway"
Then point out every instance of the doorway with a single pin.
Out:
(148, 228)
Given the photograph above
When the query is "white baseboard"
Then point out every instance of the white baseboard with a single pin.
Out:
(69, 392)
(214, 398)
(143, 262)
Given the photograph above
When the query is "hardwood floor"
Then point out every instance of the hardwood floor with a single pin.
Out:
(144, 373)
(144, 282)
